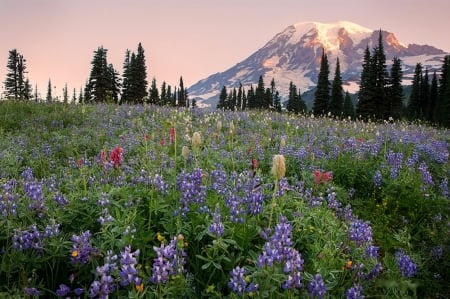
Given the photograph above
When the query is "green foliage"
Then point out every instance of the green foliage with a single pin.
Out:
(132, 176)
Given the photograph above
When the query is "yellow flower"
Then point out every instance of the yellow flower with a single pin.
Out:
(140, 287)
(74, 253)
(160, 237)
(348, 264)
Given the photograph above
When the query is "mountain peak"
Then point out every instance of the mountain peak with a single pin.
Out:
(293, 55)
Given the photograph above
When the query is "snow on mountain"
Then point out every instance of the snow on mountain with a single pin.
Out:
(294, 55)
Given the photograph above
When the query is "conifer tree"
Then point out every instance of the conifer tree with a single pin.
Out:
(295, 103)
(415, 99)
(16, 85)
(395, 90)
(348, 110)
(114, 85)
(433, 98)
(239, 97)
(322, 94)
(425, 92)
(74, 96)
(222, 98)
(260, 94)
(134, 77)
(36, 94)
(182, 99)
(98, 79)
(251, 98)
(381, 80)
(366, 107)
(65, 94)
(443, 106)
(337, 93)
(153, 93)
(49, 97)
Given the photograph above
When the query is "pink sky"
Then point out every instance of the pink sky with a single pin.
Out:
(193, 39)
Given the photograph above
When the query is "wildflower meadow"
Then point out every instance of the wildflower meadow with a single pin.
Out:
(109, 201)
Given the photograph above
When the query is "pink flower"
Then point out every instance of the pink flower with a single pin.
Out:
(172, 135)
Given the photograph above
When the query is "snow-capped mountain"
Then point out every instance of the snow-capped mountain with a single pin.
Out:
(294, 55)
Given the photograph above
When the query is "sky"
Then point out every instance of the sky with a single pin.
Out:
(188, 38)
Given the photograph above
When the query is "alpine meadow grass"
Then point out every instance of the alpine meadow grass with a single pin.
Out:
(109, 201)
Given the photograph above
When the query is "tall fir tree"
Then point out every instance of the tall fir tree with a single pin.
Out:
(260, 94)
(222, 98)
(182, 98)
(153, 93)
(348, 110)
(49, 97)
(65, 94)
(434, 94)
(98, 79)
(295, 103)
(251, 98)
(16, 85)
(415, 99)
(337, 93)
(134, 77)
(366, 107)
(322, 93)
(381, 80)
(114, 85)
(442, 110)
(395, 90)
(239, 97)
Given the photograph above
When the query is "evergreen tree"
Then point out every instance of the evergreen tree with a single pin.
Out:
(49, 97)
(153, 93)
(114, 85)
(182, 99)
(65, 94)
(295, 103)
(395, 91)
(322, 94)
(425, 92)
(260, 94)
(36, 94)
(337, 93)
(74, 96)
(80, 96)
(443, 105)
(98, 79)
(134, 77)
(433, 98)
(251, 98)
(277, 101)
(164, 98)
(348, 110)
(381, 80)
(239, 97)
(222, 98)
(366, 107)
(16, 85)
(415, 99)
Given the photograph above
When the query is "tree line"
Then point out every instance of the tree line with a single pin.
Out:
(104, 84)
(380, 97)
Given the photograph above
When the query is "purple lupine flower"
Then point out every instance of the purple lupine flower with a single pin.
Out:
(63, 290)
(27, 174)
(52, 229)
(278, 249)
(372, 251)
(219, 181)
(348, 213)
(8, 200)
(82, 250)
(360, 232)
(377, 179)
(106, 285)
(31, 238)
(405, 264)
(217, 228)
(192, 191)
(444, 188)
(104, 200)
(128, 272)
(60, 199)
(33, 292)
(159, 184)
(375, 272)
(238, 283)
(427, 179)
(354, 292)
(316, 287)
(105, 217)
(395, 161)
(169, 261)
(413, 159)
(333, 204)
